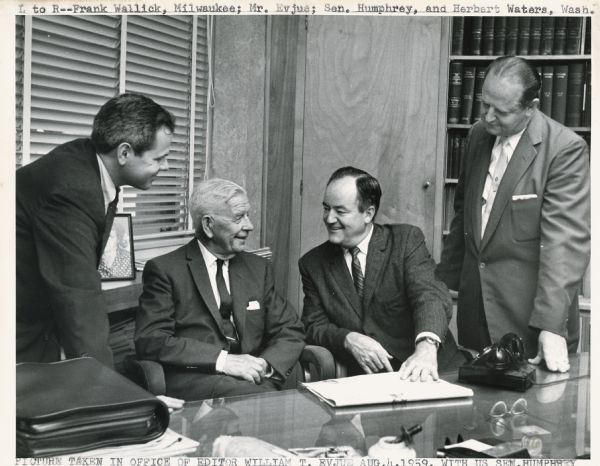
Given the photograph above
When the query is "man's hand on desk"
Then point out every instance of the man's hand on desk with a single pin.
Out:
(369, 353)
(247, 367)
(553, 349)
(422, 364)
(172, 403)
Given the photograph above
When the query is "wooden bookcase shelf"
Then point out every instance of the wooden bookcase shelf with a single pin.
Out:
(456, 133)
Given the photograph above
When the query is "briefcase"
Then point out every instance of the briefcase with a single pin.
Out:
(79, 404)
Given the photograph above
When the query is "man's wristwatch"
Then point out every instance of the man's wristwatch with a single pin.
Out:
(431, 341)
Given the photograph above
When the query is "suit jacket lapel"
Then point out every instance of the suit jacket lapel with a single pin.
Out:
(239, 294)
(200, 275)
(481, 164)
(522, 157)
(341, 275)
(375, 261)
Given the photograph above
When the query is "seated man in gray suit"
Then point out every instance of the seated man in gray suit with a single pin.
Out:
(209, 311)
(370, 295)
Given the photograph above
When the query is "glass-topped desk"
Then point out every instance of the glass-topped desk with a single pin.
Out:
(556, 423)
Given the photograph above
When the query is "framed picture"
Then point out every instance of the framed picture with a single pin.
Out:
(118, 262)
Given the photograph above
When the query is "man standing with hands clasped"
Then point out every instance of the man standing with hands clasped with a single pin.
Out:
(519, 243)
(370, 295)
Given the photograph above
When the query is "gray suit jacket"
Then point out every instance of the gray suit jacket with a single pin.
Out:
(401, 295)
(528, 266)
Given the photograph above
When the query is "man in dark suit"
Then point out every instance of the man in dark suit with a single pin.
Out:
(65, 205)
(370, 295)
(520, 240)
(209, 311)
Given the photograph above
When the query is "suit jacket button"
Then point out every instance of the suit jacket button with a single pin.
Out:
(482, 265)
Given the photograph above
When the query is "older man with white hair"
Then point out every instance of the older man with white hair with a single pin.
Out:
(209, 311)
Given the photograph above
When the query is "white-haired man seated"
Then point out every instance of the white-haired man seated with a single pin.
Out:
(209, 312)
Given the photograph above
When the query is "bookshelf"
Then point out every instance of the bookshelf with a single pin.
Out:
(560, 47)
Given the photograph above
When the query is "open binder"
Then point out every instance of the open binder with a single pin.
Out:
(383, 388)
(79, 404)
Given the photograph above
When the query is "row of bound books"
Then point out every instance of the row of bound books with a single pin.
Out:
(513, 35)
(565, 95)
(454, 153)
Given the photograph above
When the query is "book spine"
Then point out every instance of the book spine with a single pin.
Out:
(524, 35)
(574, 29)
(586, 119)
(462, 142)
(535, 35)
(546, 93)
(560, 36)
(487, 35)
(500, 35)
(575, 85)
(559, 93)
(512, 35)
(458, 34)
(456, 158)
(477, 98)
(455, 91)
(476, 24)
(468, 88)
(547, 35)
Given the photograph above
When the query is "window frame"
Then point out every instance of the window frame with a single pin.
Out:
(193, 111)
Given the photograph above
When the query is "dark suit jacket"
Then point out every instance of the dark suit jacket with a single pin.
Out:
(401, 295)
(179, 324)
(60, 222)
(532, 257)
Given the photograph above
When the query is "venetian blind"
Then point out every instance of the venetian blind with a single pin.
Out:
(158, 64)
(74, 70)
(19, 52)
(201, 96)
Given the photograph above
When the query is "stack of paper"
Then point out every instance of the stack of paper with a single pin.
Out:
(168, 444)
(382, 388)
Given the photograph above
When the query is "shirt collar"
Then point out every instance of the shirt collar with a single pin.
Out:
(512, 140)
(109, 190)
(363, 246)
(209, 258)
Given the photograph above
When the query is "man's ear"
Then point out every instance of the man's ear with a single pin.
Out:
(369, 213)
(535, 103)
(207, 226)
(124, 153)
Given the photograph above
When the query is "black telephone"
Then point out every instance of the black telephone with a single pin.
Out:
(502, 364)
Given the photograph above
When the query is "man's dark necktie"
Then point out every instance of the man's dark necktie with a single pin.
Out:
(225, 310)
(357, 275)
(110, 217)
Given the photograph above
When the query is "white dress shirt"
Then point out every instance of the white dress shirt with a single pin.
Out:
(109, 190)
(211, 266)
(510, 144)
(363, 247)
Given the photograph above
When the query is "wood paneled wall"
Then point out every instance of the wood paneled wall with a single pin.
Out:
(239, 108)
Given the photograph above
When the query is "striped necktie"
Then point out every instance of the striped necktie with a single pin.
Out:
(357, 275)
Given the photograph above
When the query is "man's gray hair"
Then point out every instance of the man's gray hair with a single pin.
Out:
(209, 196)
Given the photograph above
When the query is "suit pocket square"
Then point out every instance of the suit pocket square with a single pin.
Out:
(253, 306)
(522, 197)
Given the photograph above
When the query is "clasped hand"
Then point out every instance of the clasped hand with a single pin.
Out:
(372, 358)
(247, 367)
